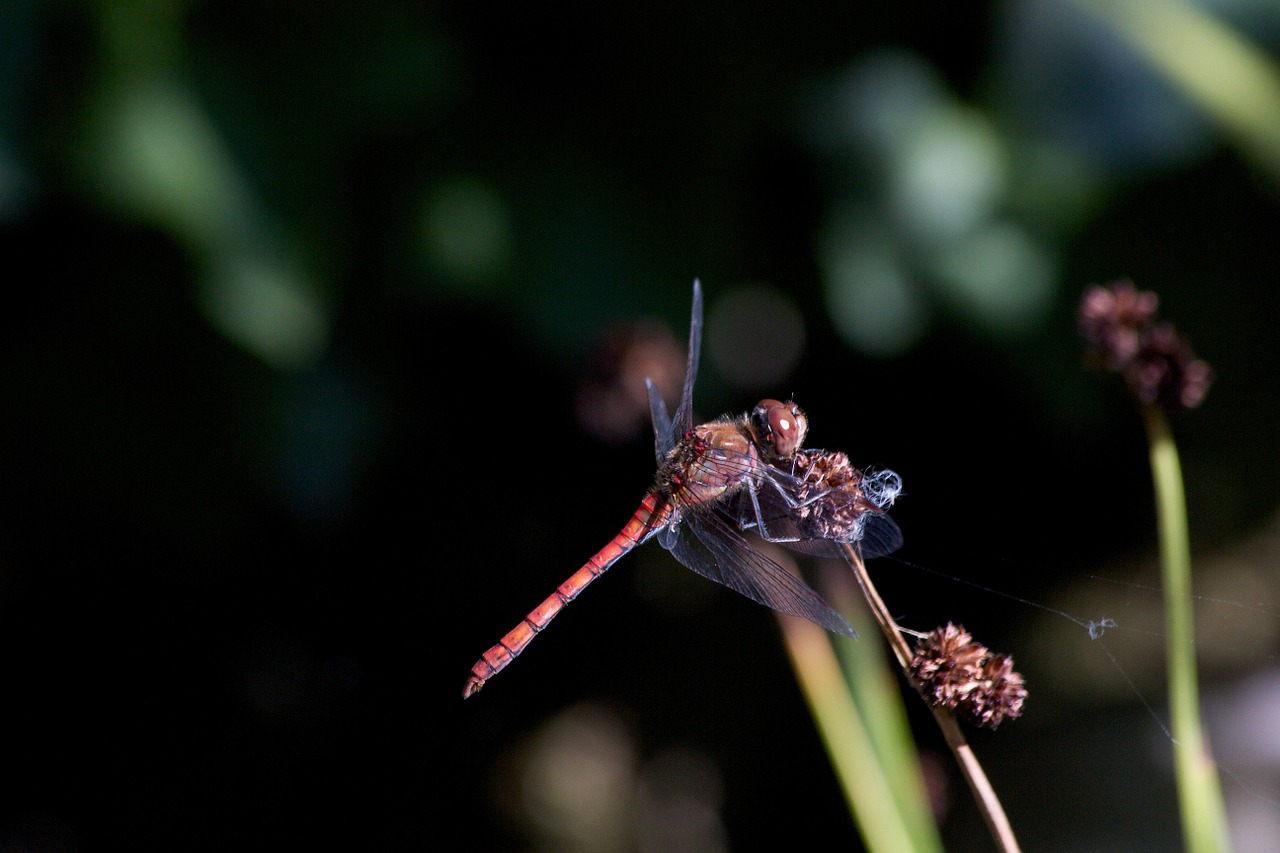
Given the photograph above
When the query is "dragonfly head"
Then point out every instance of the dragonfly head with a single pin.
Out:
(779, 427)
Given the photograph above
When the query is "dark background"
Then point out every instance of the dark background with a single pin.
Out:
(307, 390)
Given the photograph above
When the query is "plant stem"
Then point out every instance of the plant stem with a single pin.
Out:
(1199, 793)
(984, 795)
(881, 819)
(874, 685)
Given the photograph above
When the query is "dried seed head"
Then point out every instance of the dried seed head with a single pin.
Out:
(834, 497)
(1000, 695)
(1121, 334)
(965, 677)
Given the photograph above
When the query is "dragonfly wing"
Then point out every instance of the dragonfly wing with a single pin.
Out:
(668, 535)
(780, 523)
(880, 535)
(663, 436)
(683, 421)
(709, 544)
(876, 534)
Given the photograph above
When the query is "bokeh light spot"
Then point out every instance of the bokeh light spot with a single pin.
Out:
(466, 230)
(949, 172)
(876, 103)
(264, 305)
(756, 336)
(999, 275)
(577, 784)
(161, 156)
(872, 300)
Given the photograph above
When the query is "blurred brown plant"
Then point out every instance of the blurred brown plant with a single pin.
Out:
(1122, 335)
(611, 401)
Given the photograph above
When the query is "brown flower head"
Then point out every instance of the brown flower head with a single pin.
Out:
(834, 496)
(965, 677)
(1121, 334)
(1000, 693)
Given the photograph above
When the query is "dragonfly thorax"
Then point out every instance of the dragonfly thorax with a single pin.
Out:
(713, 461)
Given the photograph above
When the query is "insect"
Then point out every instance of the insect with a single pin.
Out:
(719, 480)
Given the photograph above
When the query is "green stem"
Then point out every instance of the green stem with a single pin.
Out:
(1199, 795)
(868, 787)
(878, 695)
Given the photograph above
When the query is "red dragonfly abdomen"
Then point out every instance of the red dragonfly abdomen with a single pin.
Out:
(654, 511)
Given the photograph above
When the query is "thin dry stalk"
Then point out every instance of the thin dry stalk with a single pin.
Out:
(984, 795)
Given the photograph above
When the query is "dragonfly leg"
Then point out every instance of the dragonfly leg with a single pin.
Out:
(758, 523)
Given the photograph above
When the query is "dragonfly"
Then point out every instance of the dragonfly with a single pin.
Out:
(720, 488)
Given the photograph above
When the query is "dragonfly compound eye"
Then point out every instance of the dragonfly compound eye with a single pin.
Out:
(781, 426)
